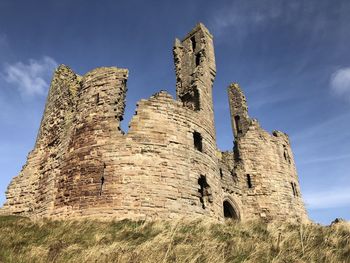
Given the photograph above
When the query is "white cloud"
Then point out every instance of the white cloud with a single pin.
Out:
(328, 199)
(242, 16)
(31, 78)
(340, 82)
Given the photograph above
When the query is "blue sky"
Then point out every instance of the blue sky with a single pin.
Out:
(291, 58)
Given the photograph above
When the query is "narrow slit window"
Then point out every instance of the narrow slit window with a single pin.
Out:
(102, 182)
(293, 189)
(97, 98)
(249, 181)
(198, 59)
(193, 42)
(221, 174)
(197, 140)
(286, 154)
(102, 179)
(237, 124)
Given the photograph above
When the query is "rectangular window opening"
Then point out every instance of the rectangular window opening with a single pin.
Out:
(198, 59)
(204, 190)
(249, 181)
(193, 42)
(197, 140)
(237, 124)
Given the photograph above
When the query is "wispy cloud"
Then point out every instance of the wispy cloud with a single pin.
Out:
(332, 198)
(340, 82)
(328, 126)
(262, 100)
(325, 159)
(30, 78)
(242, 14)
(244, 17)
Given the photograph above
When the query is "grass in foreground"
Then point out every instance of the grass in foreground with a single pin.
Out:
(22, 240)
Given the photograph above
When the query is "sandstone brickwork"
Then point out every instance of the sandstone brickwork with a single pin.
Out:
(167, 165)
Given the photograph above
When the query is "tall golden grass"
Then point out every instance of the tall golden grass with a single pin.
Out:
(22, 240)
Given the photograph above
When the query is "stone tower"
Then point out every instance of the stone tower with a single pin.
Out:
(86, 169)
(265, 164)
(195, 73)
(167, 165)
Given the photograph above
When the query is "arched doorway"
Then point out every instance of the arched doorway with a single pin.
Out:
(229, 211)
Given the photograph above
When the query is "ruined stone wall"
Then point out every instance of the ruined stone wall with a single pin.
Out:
(97, 126)
(33, 190)
(150, 172)
(270, 193)
(231, 184)
(163, 174)
(167, 165)
(265, 166)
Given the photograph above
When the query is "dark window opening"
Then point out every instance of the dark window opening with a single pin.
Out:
(286, 154)
(97, 98)
(193, 42)
(101, 185)
(249, 181)
(236, 151)
(191, 99)
(204, 191)
(198, 59)
(294, 189)
(221, 174)
(229, 211)
(102, 178)
(237, 124)
(197, 139)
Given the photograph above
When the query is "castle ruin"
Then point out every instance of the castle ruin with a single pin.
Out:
(167, 165)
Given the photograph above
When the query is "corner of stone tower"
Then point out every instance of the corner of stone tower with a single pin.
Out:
(63, 92)
(199, 27)
(239, 110)
(64, 71)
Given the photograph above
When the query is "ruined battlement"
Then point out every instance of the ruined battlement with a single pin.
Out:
(167, 165)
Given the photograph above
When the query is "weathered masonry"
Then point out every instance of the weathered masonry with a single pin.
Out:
(167, 165)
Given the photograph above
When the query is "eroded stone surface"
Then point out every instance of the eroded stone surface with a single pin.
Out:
(167, 165)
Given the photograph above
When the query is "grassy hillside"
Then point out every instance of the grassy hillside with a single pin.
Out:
(22, 240)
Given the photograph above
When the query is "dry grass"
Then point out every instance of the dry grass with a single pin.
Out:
(22, 240)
